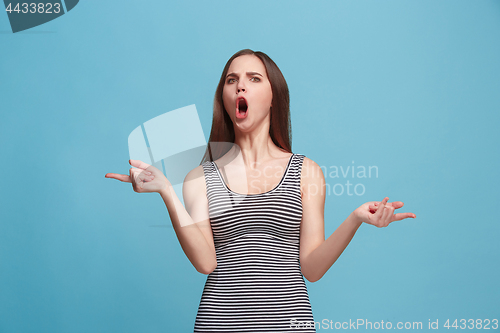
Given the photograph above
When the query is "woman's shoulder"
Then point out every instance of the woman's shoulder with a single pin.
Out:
(196, 177)
(310, 169)
(307, 162)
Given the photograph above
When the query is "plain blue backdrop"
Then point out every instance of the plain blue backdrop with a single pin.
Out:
(411, 87)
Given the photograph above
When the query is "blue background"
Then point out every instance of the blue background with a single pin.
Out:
(410, 87)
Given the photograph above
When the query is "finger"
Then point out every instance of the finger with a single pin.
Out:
(140, 175)
(372, 209)
(376, 219)
(139, 164)
(396, 204)
(138, 171)
(383, 215)
(143, 180)
(388, 214)
(135, 172)
(401, 216)
(123, 178)
(380, 210)
(148, 178)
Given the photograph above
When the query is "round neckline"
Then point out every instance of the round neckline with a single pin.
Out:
(253, 194)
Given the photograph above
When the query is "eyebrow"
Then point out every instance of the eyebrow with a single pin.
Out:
(248, 73)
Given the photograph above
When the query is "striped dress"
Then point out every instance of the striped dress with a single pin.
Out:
(257, 285)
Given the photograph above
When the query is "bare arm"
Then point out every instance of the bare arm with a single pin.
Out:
(191, 223)
(317, 255)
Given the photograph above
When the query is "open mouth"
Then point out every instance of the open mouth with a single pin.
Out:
(241, 107)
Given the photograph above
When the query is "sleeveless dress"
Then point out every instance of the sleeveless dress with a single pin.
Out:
(258, 285)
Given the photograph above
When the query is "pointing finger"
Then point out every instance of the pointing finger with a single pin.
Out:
(401, 216)
(123, 178)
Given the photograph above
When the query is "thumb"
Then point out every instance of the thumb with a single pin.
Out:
(138, 164)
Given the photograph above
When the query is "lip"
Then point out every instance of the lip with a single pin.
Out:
(238, 115)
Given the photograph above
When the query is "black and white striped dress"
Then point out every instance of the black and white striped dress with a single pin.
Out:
(257, 285)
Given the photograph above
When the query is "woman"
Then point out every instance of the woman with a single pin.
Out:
(254, 214)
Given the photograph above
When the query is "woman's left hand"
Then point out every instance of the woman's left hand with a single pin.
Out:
(380, 214)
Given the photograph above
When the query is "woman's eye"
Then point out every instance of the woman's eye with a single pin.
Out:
(230, 80)
(255, 78)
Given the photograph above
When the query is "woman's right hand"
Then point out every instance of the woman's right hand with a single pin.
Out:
(145, 178)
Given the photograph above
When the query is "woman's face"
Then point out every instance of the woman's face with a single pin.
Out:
(247, 79)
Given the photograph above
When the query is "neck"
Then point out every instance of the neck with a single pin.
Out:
(254, 147)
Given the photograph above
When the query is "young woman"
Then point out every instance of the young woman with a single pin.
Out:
(254, 211)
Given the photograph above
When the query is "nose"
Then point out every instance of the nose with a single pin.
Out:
(241, 86)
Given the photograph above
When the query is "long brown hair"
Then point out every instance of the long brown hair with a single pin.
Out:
(280, 128)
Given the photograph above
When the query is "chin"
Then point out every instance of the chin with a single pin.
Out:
(246, 127)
